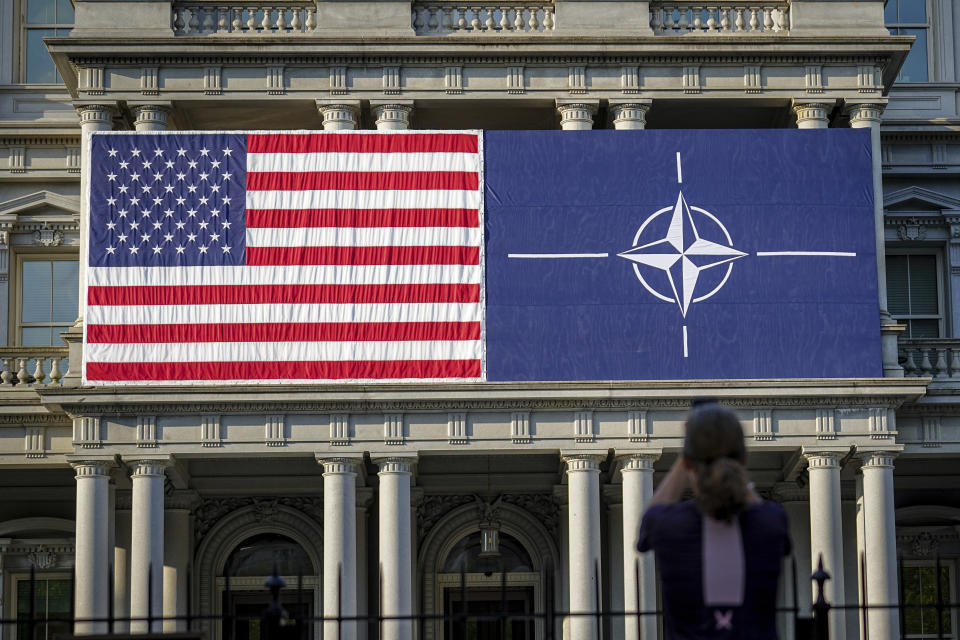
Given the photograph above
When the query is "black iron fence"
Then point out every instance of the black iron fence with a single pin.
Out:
(288, 615)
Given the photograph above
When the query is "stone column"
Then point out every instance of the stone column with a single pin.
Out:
(91, 561)
(867, 115)
(880, 544)
(93, 117)
(396, 570)
(121, 563)
(826, 530)
(364, 498)
(339, 115)
(637, 473)
(630, 115)
(583, 486)
(339, 545)
(577, 115)
(392, 116)
(811, 115)
(146, 557)
(150, 117)
(177, 541)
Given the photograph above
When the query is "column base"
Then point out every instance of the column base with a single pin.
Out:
(74, 339)
(890, 347)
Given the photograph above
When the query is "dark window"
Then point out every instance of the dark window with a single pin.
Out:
(909, 18)
(913, 293)
(44, 18)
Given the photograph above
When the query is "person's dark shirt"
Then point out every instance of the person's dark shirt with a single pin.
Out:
(675, 533)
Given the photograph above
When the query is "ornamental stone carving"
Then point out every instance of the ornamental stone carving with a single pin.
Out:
(924, 544)
(42, 558)
(264, 510)
(47, 237)
(913, 229)
(433, 507)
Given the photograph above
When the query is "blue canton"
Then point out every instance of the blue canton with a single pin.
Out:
(167, 200)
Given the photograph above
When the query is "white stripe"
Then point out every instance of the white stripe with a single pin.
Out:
(686, 353)
(534, 256)
(679, 171)
(372, 199)
(836, 254)
(364, 237)
(283, 351)
(418, 161)
(312, 274)
(304, 313)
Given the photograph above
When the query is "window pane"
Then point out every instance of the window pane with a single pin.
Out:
(890, 12)
(40, 67)
(898, 300)
(922, 329)
(913, 11)
(923, 285)
(37, 337)
(64, 12)
(41, 12)
(915, 66)
(36, 292)
(65, 290)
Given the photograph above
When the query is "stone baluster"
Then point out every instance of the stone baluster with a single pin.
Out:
(7, 374)
(910, 367)
(178, 22)
(504, 21)
(668, 19)
(725, 20)
(296, 26)
(55, 374)
(39, 375)
(697, 19)
(711, 19)
(926, 368)
(656, 19)
(754, 22)
(223, 23)
(548, 20)
(475, 18)
(209, 20)
(489, 24)
(941, 363)
(267, 23)
(433, 22)
(518, 22)
(194, 22)
(236, 25)
(767, 19)
(281, 20)
(684, 24)
(251, 20)
(533, 22)
(311, 23)
(740, 21)
(955, 363)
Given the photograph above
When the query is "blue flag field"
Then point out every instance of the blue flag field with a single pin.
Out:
(652, 255)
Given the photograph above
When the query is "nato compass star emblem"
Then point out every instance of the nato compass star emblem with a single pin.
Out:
(694, 242)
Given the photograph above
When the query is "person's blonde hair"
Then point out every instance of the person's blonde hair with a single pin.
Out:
(714, 445)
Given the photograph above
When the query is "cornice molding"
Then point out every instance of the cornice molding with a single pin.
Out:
(478, 404)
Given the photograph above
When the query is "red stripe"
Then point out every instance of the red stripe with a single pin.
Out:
(284, 294)
(282, 332)
(325, 370)
(263, 256)
(362, 143)
(361, 180)
(298, 218)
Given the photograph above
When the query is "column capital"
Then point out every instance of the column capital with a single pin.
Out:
(637, 460)
(339, 115)
(401, 465)
(392, 114)
(630, 114)
(877, 459)
(99, 113)
(864, 114)
(823, 458)
(585, 461)
(812, 114)
(577, 114)
(92, 466)
(338, 465)
(149, 466)
(150, 117)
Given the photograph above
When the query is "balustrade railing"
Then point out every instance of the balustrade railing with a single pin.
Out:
(430, 18)
(718, 18)
(204, 18)
(937, 358)
(32, 366)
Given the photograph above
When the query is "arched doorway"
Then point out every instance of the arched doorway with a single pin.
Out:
(476, 583)
(241, 548)
(244, 599)
(520, 577)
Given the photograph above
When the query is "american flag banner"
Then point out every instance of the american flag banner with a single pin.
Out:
(272, 257)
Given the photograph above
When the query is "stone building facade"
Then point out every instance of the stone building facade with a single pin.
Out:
(389, 490)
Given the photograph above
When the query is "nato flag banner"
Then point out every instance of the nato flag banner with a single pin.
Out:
(616, 255)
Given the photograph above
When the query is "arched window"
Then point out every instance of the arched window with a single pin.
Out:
(257, 556)
(467, 556)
